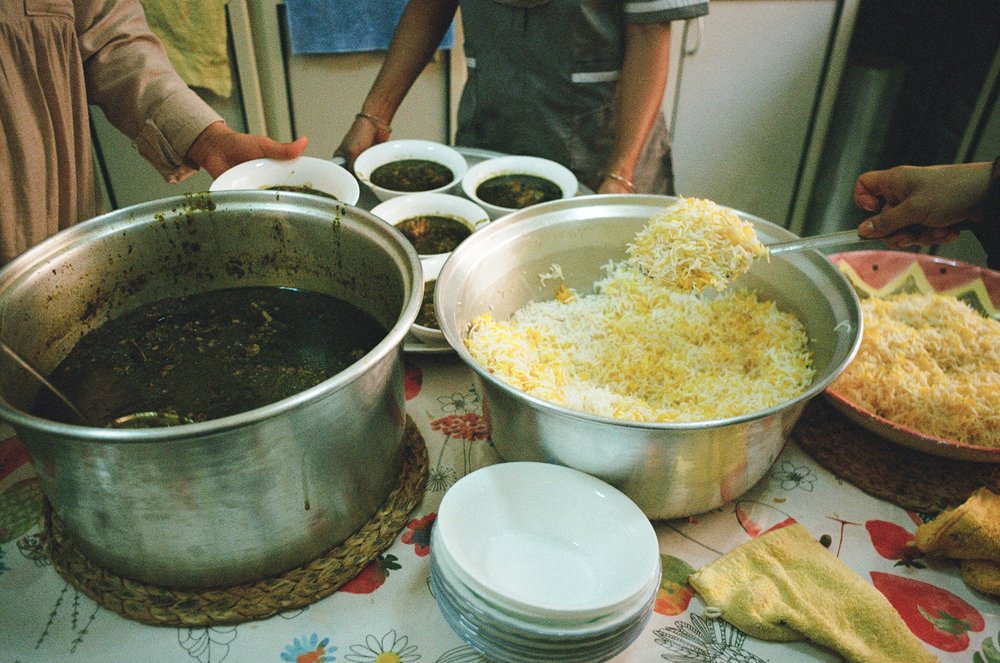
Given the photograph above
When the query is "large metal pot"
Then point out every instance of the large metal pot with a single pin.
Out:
(669, 470)
(237, 498)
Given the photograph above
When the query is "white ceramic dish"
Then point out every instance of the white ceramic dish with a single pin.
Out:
(318, 174)
(516, 165)
(432, 267)
(399, 209)
(546, 541)
(489, 612)
(506, 638)
(397, 150)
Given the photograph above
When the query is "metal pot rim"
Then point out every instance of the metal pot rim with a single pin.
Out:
(21, 267)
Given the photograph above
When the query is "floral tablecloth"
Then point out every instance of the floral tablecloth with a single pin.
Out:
(388, 614)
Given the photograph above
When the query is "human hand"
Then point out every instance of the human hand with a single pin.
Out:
(218, 148)
(921, 205)
(364, 133)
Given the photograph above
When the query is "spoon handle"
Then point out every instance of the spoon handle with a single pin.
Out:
(842, 237)
(817, 241)
(45, 383)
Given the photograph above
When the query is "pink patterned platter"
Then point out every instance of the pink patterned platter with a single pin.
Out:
(885, 273)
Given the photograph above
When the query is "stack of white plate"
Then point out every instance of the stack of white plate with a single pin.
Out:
(535, 562)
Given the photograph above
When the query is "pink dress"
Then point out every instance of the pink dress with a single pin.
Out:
(56, 56)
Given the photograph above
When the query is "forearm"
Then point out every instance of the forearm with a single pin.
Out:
(130, 77)
(417, 36)
(640, 95)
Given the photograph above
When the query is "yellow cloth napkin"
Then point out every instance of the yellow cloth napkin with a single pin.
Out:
(195, 34)
(970, 533)
(784, 585)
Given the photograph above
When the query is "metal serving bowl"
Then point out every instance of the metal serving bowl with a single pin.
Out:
(241, 497)
(669, 470)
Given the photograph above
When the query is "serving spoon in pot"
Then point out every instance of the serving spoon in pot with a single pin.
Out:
(133, 420)
(26, 365)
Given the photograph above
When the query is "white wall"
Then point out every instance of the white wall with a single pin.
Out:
(746, 101)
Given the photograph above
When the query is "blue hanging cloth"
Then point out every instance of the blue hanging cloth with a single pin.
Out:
(346, 26)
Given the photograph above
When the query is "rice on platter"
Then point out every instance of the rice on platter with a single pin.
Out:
(638, 349)
(931, 363)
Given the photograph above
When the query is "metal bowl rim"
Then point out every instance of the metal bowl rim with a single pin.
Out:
(552, 409)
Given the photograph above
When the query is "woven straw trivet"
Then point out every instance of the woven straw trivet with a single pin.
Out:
(297, 588)
(906, 477)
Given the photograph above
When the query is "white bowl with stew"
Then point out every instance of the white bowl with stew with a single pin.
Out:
(400, 167)
(434, 223)
(300, 175)
(425, 328)
(506, 184)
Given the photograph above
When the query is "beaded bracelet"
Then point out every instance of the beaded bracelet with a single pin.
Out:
(376, 120)
(615, 176)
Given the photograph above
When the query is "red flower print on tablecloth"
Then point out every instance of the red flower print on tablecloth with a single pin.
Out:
(469, 427)
(12, 456)
(413, 380)
(418, 534)
(372, 576)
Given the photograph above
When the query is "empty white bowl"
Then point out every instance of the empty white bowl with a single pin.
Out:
(539, 562)
(399, 150)
(483, 171)
(431, 267)
(547, 541)
(396, 211)
(297, 174)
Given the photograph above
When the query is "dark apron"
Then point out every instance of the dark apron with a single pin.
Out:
(542, 81)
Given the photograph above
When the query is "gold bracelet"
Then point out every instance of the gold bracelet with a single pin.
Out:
(615, 176)
(376, 120)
